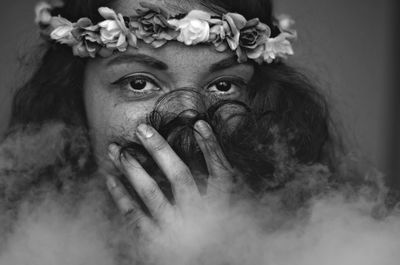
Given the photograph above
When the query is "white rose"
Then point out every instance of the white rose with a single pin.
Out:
(279, 46)
(61, 31)
(194, 32)
(109, 31)
(194, 28)
(63, 35)
(112, 35)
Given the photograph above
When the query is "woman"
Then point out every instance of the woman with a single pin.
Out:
(174, 115)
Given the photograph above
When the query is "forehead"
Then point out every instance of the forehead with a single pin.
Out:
(128, 7)
(178, 57)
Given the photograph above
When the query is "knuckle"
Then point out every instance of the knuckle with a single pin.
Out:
(183, 176)
(210, 137)
(159, 144)
(125, 204)
(135, 218)
(215, 150)
(223, 167)
(151, 192)
(210, 141)
(161, 206)
(222, 171)
(130, 165)
(131, 213)
(118, 193)
(123, 200)
(219, 160)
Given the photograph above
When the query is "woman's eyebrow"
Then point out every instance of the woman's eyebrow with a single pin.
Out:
(138, 58)
(224, 64)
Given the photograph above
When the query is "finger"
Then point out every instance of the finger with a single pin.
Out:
(221, 172)
(129, 208)
(183, 185)
(145, 186)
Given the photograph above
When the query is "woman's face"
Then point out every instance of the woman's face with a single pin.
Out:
(121, 90)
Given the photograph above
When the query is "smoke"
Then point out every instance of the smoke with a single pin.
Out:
(49, 236)
(335, 232)
(333, 229)
(54, 211)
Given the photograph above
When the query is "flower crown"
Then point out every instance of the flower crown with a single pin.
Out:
(249, 39)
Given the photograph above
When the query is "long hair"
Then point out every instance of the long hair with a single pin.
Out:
(285, 106)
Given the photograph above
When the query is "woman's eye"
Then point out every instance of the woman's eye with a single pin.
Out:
(226, 87)
(140, 85)
(223, 86)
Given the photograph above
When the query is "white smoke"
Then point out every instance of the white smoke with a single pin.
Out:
(334, 231)
(339, 226)
(47, 236)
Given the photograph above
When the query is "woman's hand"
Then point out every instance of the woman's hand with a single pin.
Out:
(187, 197)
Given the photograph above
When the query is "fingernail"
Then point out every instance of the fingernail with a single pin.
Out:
(113, 151)
(111, 183)
(145, 131)
(128, 160)
(203, 128)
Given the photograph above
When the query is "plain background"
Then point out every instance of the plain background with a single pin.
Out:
(347, 46)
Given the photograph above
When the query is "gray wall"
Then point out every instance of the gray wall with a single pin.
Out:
(344, 44)
(18, 36)
(347, 45)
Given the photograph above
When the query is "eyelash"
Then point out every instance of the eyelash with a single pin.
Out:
(125, 81)
(234, 81)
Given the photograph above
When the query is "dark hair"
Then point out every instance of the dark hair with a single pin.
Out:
(280, 97)
(54, 91)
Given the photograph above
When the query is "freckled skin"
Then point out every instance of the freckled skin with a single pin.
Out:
(112, 113)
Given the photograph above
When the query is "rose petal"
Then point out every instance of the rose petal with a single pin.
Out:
(233, 42)
(265, 28)
(92, 48)
(59, 21)
(252, 23)
(256, 53)
(121, 40)
(222, 47)
(150, 6)
(80, 50)
(84, 22)
(239, 20)
(158, 43)
(63, 35)
(107, 13)
(197, 14)
(134, 24)
(61, 31)
(167, 36)
(132, 40)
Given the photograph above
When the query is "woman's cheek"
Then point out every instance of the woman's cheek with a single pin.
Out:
(110, 124)
(124, 120)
